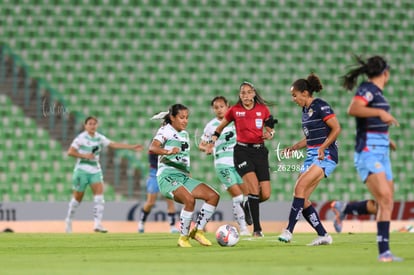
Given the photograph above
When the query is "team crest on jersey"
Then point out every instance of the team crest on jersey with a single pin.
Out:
(368, 96)
(310, 112)
(258, 113)
(259, 123)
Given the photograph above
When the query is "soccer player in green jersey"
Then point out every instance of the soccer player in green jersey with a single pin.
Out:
(172, 145)
(86, 148)
(223, 160)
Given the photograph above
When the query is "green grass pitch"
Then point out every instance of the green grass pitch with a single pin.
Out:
(101, 254)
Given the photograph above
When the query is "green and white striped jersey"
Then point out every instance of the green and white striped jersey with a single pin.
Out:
(169, 138)
(84, 144)
(224, 145)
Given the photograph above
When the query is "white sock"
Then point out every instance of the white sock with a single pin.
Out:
(206, 211)
(98, 209)
(238, 212)
(73, 205)
(185, 222)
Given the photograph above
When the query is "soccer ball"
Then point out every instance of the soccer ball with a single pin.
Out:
(227, 235)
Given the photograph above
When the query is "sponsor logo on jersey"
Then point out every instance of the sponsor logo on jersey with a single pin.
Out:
(259, 123)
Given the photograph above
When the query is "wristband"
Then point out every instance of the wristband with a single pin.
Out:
(217, 134)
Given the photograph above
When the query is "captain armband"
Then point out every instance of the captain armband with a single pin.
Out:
(270, 122)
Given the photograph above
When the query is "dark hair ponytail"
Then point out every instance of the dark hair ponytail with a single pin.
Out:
(374, 66)
(311, 84)
(173, 111)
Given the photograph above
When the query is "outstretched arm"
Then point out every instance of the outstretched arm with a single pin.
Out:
(116, 145)
(219, 129)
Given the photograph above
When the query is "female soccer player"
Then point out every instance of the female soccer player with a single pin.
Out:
(372, 112)
(223, 160)
(86, 148)
(254, 124)
(152, 194)
(321, 128)
(172, 145)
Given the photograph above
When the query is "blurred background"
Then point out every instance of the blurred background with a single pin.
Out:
(124, 60)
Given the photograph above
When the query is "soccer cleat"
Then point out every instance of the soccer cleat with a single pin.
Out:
(247, 213)
(258, 234)
(183, 241)
(68, 226)
(321, 240)
(140, 227)
(387, 256)
(174, 229)
(100, 229)
(198, 235)
(244, 232)
(338, 208)
(285, 237)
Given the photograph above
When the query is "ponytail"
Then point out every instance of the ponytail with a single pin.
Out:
(311, 84)
(374, 66)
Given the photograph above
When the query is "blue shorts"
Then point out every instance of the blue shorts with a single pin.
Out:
(152, 183)
(373, 161)
(327, 164)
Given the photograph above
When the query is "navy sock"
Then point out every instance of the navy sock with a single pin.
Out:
(312, 217)
(171, 218)
(253, 201)
(383, 236)
(356, 208)
(144, 215)
(295, 212)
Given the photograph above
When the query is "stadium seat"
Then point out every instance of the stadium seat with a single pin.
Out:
(123, 62)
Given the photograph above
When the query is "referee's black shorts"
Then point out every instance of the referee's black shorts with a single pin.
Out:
(252, 158)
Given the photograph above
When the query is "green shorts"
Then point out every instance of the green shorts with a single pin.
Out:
(81, 179)
(228, 176)
(169, 182)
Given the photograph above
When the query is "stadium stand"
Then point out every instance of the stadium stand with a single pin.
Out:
(126, 60)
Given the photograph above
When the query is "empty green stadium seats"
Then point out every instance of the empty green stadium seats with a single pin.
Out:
(123, 62)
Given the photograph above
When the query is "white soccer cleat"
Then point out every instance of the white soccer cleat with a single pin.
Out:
(174, 229)
(245, 232)
(100, 229)
(285, 237)
(140, 227)
(68, 226)
(321, 240)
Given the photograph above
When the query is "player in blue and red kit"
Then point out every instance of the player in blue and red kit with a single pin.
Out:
(321, 128)
(254, 124)
(372, 161)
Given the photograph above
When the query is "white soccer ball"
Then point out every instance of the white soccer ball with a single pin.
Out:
(227, 235)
